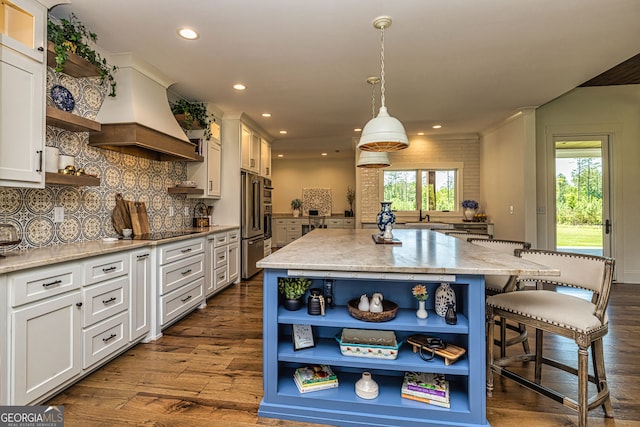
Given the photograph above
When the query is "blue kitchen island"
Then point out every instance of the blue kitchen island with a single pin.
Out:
(350, 263)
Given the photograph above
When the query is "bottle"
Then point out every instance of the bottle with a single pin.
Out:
(451, 318)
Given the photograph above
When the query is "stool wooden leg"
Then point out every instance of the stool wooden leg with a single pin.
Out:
(538, 368)
(503, 337)
(601, 376)
(583, 382)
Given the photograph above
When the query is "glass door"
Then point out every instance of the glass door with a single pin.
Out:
(583, 220)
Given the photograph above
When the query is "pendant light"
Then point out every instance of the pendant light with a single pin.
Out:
(383, 133)
(373, 159)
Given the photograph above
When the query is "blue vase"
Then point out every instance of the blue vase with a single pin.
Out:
(385, 216)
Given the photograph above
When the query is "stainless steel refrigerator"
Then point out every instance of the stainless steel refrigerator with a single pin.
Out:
(252, 223)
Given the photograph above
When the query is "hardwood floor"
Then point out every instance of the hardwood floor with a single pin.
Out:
(206, 371)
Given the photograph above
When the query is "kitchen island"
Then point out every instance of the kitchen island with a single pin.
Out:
(351, 264)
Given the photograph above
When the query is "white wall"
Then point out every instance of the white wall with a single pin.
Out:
(611, 110)
(507, 159)
(289, 177)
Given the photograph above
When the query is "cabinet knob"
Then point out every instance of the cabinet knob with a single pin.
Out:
(40, 49)
(78, 304)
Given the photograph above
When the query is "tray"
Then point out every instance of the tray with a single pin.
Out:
(368, 343)
(389, 311)
(450, 353)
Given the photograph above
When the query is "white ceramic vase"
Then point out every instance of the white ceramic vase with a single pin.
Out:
(445, 295)
(422, 312)
(366, 387)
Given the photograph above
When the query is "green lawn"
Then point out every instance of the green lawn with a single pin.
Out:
(579, 235)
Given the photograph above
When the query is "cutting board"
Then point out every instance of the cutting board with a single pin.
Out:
(121, 217)
(139, 218)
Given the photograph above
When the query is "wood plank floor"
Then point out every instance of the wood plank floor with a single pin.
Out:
(206, 371)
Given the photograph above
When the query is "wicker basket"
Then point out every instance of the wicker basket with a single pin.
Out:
(389, 311)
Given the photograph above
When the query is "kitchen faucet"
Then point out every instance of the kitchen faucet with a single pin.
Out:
(426, 216)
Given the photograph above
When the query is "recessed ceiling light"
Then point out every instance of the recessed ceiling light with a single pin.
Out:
(188, 33)
(239, 86)
(324, 154)
(280, 155)
(357, 130)
(436, 126)
(266, 114)
(283, 132)
(420, 133)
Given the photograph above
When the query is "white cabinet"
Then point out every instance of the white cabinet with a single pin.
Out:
(140, 294)
(265, 158)
(286, 230)
(207, 173)
(22, 93)
(180, 281)
(223, 260)
(250, 150)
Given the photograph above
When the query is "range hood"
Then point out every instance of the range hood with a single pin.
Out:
(138, 121)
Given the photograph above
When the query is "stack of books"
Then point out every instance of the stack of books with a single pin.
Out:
(427, 388)
(315, 378)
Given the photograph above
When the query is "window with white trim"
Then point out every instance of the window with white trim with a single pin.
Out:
(427, 189)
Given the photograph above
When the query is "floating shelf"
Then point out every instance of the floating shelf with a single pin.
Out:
(53, 178)
(75, 66)
(187, 124)
(184, 190)
(72, 122)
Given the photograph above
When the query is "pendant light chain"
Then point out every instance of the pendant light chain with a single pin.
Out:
(382, 66)
(373, 100)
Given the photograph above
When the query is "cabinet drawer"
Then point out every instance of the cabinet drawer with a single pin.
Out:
(348, 223)
(180, 250)
(220, 257)
(233, 236)
(294, 228)
(105, 299)
(221, 277)
(105, 267)
(293, 221)
(334, 223)
(181, 301)
(221, 239)
(38, 283)
(105, 338)
(280, 221)
(179, 273)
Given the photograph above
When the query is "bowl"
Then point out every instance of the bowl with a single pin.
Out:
(8, 235)
(389, 311)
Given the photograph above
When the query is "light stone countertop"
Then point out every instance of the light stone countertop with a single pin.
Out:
(421, 251)
(30, 258)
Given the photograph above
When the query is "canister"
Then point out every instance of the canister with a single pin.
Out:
(51, 159)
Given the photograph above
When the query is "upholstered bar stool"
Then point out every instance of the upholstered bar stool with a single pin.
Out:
(585, 321)
(498, 284)
(467, 235)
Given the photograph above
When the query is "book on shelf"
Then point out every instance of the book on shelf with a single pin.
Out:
(315, 374)
(306, 388)
(446, 404)
(434, 385)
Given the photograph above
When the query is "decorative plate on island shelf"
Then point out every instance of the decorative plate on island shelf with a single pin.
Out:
(389, 311)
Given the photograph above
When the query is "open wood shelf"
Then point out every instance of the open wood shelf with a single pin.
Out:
(75, 66)
(184, 190)
(187, 124)
(72, 122)
(53, 178)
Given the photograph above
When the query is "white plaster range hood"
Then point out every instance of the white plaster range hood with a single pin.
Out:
(138, 120)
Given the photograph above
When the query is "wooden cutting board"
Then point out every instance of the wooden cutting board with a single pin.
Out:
(139, 218)
(121, 217)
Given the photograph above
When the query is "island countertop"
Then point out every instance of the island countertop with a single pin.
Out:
(420, 251)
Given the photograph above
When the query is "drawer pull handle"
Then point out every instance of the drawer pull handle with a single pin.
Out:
(55, 282)
(109, 270)
(221, 257)
(78, 304)
(109, 338)
(184, 273)
(143, 256)
(184, 251)
(112, 299)
(186, 299)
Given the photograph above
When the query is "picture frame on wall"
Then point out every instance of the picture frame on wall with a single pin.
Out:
(302, 337)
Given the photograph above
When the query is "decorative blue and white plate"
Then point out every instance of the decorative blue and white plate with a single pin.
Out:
(62, 98)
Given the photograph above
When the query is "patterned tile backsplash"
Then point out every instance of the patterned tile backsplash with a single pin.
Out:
(87, 210)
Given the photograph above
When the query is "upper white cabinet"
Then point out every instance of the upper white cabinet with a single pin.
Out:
(22, 93)
(207, 174)
(265, 158)
(250, 150)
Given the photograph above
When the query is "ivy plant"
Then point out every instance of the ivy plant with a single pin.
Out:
(70, 35)
(195, 114)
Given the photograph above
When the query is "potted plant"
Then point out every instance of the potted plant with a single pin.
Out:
(192, 115)
(296, 205)
(351, 197)
(70, 35)
(293, 289)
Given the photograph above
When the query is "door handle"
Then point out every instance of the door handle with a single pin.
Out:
(607, 227)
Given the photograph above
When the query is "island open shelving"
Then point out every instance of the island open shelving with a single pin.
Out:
(355, 265)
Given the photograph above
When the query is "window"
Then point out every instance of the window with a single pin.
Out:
(431, 189)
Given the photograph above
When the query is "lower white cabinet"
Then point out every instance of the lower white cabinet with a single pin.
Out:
(223, 260)
(46, 346)
(140, 294)
(104, 338)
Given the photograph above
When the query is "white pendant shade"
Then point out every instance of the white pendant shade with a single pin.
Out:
(373, 159)
(383, 133)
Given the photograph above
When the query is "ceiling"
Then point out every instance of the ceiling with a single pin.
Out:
(463, 64)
